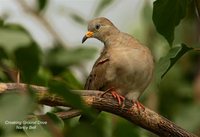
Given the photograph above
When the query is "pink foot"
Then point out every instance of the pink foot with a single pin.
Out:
(116, 95)
(138, 105)
(119, 97)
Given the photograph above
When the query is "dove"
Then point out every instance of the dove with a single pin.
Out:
(125, 66)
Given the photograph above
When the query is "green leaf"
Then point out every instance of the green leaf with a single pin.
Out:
(42, 4)
(78, 18)
(83, 130)
(27, 60)
(13, 36)
(1, 22)
(62, 90)
(3, 54)
(38, 130)
(14, 107)
(189, 111)
(42, 77)
(167, 14)
(166, 62)
(59, 58)
(71, 81)
(102, 5)
(104, 124)
(57, 121)
(125, 129)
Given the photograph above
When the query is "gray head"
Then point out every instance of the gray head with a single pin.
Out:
(100, 28)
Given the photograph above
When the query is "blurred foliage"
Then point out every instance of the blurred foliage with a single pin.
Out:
(125, 129)
(79, 19)
(10, 105)
(1, 22)
(29, 64)
(38, 129)
(60, 88)
(3, 54)
(13, 36)
(176, 72)
(102, 5)
(42, 4)
(60, 57)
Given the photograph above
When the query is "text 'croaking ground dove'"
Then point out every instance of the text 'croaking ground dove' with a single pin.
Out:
(125, 67)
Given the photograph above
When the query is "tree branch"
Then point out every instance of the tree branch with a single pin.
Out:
(197, 6)
(145, 118)
(64, 114)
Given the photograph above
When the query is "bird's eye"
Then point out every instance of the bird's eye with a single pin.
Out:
(97, 26)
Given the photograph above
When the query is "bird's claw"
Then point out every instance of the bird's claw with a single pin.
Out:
(138, 105)
(119, 98)
(116, 95)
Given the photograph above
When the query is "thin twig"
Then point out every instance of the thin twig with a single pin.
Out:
(197, 6)
(43, 21)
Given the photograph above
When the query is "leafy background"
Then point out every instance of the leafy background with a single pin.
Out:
(170, 28)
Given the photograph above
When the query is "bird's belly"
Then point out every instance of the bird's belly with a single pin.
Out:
(129, 83)
(128, 74)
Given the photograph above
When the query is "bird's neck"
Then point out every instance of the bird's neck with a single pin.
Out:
(111, 38)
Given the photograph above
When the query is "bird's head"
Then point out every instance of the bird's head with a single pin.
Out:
(100, 28)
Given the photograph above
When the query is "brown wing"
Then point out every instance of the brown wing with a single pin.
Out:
(96, 79)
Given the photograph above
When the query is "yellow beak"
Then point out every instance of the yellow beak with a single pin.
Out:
(89, 34)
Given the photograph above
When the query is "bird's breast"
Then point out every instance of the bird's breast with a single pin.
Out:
(129, 69)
